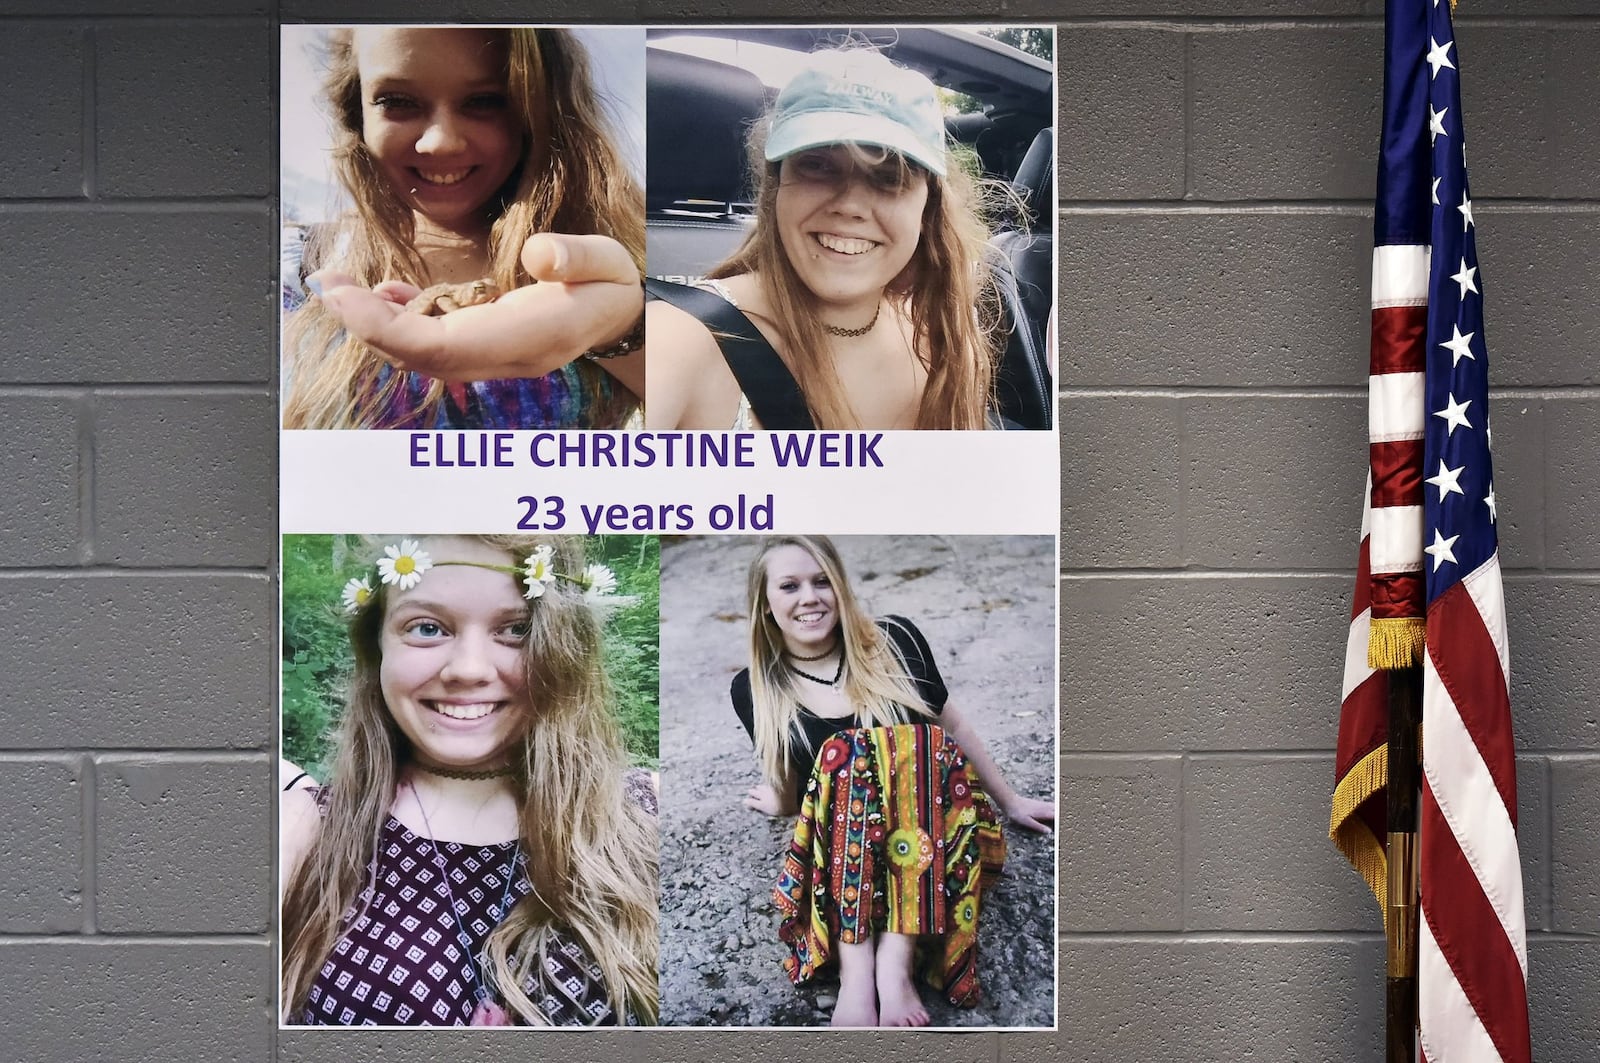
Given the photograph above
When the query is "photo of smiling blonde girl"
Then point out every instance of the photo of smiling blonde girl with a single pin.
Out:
(480, 853)
(483, 270)
(867, 269)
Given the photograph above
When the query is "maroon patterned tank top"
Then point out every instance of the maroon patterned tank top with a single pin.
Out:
(401, 960)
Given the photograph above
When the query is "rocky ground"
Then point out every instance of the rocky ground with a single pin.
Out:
(987, 606)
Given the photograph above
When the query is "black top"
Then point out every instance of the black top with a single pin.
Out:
(915, 657)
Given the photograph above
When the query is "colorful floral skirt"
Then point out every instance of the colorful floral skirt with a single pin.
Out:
(896, 836)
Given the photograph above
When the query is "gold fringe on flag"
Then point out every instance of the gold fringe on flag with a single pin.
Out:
(1350, 833)
(1396, 642)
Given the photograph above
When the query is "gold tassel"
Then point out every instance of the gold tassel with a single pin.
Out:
(1349, 832)
(1396, 642)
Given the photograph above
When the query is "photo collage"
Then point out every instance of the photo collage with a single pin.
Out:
(669, 473)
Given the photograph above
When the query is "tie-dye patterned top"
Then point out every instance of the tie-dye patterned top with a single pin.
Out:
(574, 396)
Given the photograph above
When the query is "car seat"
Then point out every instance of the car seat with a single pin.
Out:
(696, 196)
(1024, 384)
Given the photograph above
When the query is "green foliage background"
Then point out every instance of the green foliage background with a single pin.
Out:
(316, 651)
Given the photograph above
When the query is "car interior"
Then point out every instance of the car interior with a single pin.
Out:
(699, 111)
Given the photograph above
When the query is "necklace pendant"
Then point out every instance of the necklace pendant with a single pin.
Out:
(489, 1013)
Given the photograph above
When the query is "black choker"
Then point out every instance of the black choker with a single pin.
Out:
(835, 330)
(796, 657)
(462, 773)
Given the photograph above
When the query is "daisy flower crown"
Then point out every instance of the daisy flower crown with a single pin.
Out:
(404, 563)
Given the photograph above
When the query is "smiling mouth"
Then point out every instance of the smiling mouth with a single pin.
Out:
(844, 245)
(475, 710)
(443, 178)
(810, 618)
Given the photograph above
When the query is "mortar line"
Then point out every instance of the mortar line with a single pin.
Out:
(125, 389)
(1188, 115)
(166, 754)
(89, 885)
(90, 127)
(86, 470)
(178, 940)
(1183, 850)
(102, 205)
(1549, 853)
(100, 571)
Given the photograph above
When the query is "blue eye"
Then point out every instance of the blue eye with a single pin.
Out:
(425, 629)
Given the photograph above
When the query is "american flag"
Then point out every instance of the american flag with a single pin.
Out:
(1430, 561)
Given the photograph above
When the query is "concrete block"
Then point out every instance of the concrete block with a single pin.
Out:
(1181, 664)
(222, 449)
(108, 296)
(509, 11)
(1274, 482)
(1255, 850)
(1286, 113)
(1563, 981)
(105, 1000)
(1121, 860)
(41, 878)
(138, 7)
(1574, 857)
(201, 128)
(1522, 470)
(183, 847)
(426, 1046)
(1525, 136)
(1120, 482)
(1555, 677)
(135, 661)
(1202, 9)
(43, 153)
(1215, 300)
(1571, 454)
(759, 1046)
(1542, 329)
(1533, 839)
(39, 508)
(1222, 1001)
(1121, 133)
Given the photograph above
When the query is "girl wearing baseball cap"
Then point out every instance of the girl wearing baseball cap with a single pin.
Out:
(866, 285)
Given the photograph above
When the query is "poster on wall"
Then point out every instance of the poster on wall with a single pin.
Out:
(669, 554)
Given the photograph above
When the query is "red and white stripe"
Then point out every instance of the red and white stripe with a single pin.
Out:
(1394, 426)
(1472, 965)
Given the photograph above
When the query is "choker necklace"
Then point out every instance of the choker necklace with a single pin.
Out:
(837, 672)
(796, 657)
(835, 330)
(463, 773)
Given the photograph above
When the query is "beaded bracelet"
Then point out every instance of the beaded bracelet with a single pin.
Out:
(632, 341)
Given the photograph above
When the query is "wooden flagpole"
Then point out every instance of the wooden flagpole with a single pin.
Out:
(1400, 921)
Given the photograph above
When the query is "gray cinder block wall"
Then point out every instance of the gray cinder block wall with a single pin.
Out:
(1216, 231)
(1216, 168)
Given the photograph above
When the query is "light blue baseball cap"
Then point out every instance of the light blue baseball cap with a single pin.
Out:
(858, 96)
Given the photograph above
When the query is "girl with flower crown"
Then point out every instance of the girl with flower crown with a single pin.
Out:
(478, 162)
(896, 835)
(481, 854)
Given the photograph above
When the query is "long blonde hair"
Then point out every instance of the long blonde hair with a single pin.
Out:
(948, 290)
(572, 179)
(873, 679)
(593, 855)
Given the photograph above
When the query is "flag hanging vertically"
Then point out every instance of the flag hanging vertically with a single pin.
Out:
(1428, 580)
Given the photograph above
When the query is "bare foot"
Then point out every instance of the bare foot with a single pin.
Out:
(898, 1002)
(858, 1000)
